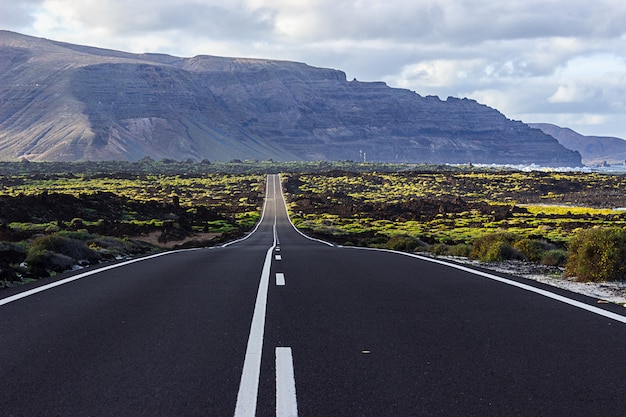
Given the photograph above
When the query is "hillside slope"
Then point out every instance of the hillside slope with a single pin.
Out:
(593, 149)
(68, 102)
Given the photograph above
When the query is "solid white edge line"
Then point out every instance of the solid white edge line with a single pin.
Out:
(280, 279)
(267, 187)
(86, 274)
(289, 218)
(249, 384)
(106, 268)
(545, 293)
(286, 401)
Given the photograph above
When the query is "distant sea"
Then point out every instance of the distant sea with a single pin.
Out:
(614, 169)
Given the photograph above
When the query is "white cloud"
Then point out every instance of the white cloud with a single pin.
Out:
(593, 65)
(571, 93)
(444, 75)
(496, 99)
(16, 14)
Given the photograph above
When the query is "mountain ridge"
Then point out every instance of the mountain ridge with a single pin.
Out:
(61, 101)
(595, 150)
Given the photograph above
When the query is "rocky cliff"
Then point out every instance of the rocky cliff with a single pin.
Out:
(67, 102)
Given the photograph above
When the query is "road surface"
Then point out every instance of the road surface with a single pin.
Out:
(279, 324)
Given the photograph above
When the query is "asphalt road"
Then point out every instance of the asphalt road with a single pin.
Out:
(279, 324)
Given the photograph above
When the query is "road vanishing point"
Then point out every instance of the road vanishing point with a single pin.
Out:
(280, 324)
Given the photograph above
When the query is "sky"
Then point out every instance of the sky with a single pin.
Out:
(539, 61)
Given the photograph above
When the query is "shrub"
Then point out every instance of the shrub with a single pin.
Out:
(597, 254)
(57, 262)
(403, 243)
(530, 248)
(439, 249)
(496, 247)
(54, 252)
(554, 257)
(501, 251)
(461, 250)
(76, 235)
(77, 224)
(11, 253)
(52, 228)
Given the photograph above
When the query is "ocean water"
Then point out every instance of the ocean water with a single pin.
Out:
(615, 169)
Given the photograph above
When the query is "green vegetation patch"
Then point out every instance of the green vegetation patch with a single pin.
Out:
(598, 254)
(488, 215)
(62, 216)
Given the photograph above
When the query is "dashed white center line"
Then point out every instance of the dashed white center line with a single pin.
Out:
(286, 403)
(249, 384)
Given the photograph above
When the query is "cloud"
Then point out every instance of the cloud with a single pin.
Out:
(440, 75)
(364, 20)
(457, 22)
(18, 14)
(572, 93)
(128, 19)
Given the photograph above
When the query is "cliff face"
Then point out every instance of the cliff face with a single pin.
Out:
(68, 102)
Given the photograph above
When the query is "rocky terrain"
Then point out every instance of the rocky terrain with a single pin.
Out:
(67, 102)
(54, 221)
(595, 150)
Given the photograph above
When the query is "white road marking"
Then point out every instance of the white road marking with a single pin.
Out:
(286, 403)
(24, 294)
(249, 384)
(290, 222)
(280, 278)
(545, 293)
(267, 189)
(279, 258)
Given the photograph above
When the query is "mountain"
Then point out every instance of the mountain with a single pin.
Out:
(595, 150)
(60, 101)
